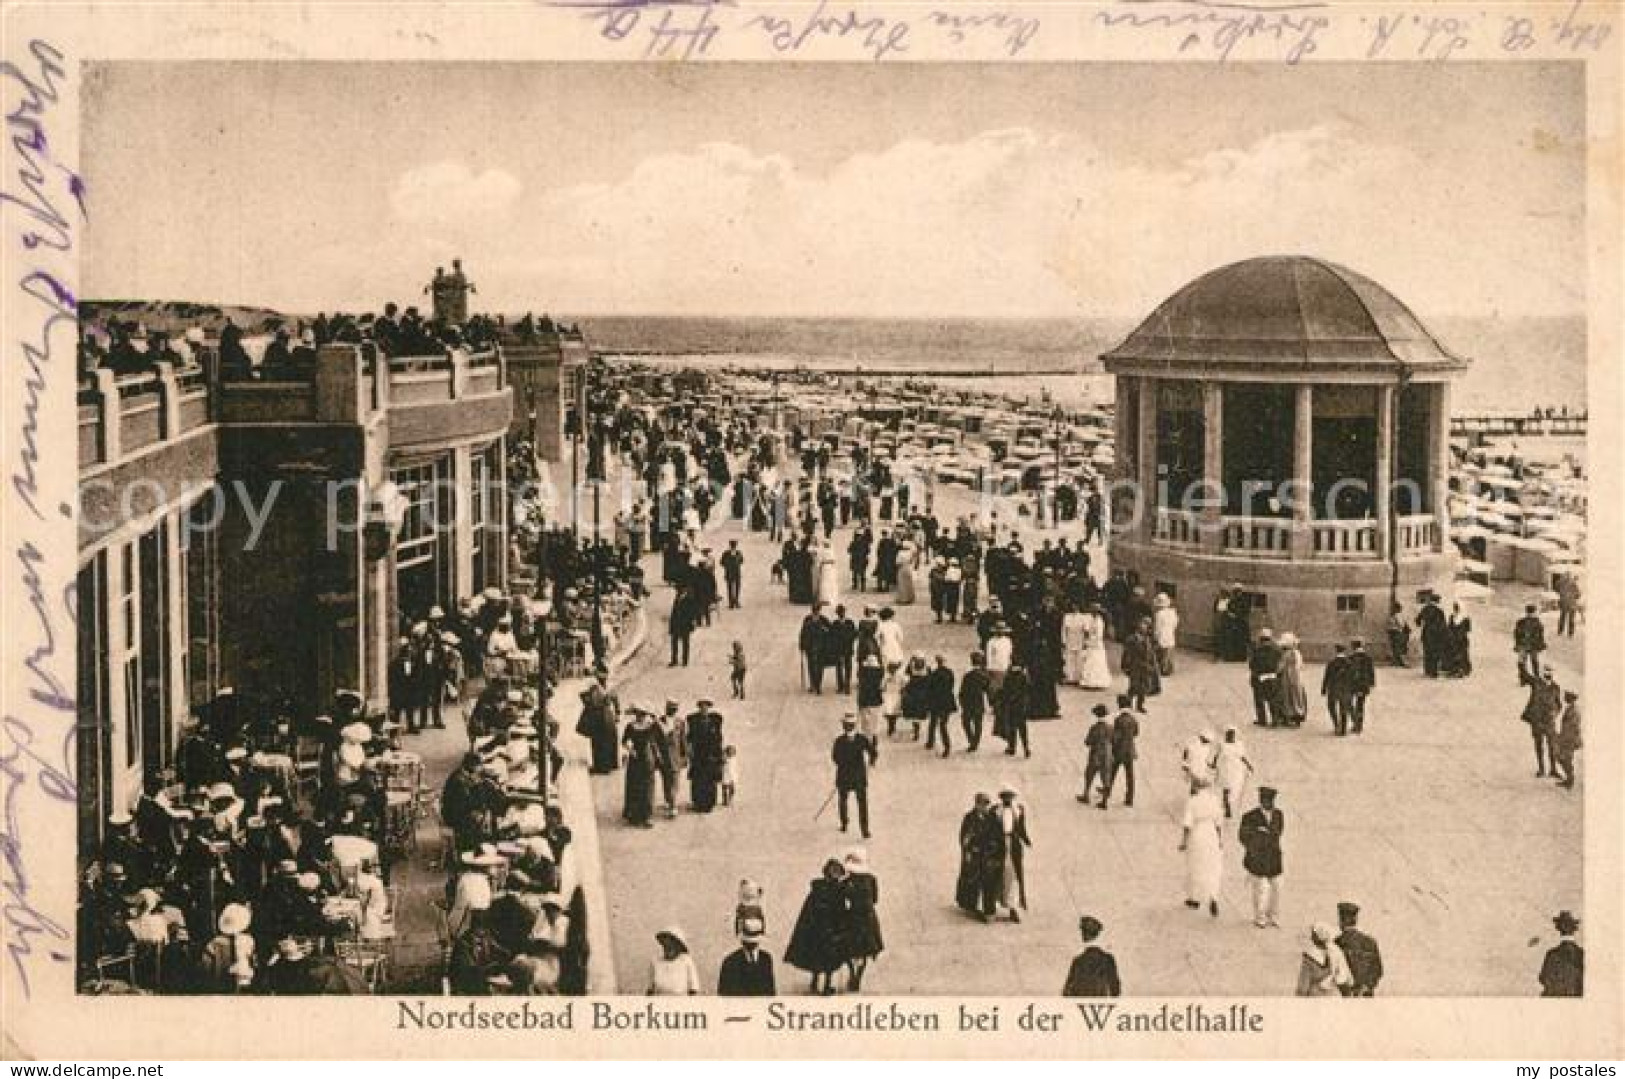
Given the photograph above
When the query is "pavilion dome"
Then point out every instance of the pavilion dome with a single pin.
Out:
(1280, 314)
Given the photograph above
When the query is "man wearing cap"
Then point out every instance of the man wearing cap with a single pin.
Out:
(941, 702)
(1529, 641)
(843, 642)
(1094, 970)
(1125, 732)
(673, 758)
(1263, 665)
(1098, 746)
(1568, 740)
(857, 553)
(1014, 703)
(733, 572)
(1363, 955)
(814, 644)
(1260, 836)
(404, 671)
(1562, 972)
(853, 755)
(1335, 687)
(1435, 634)
(1541, 712)
(748, 970)
(1362, 679)
(975, 693)
(705, 755)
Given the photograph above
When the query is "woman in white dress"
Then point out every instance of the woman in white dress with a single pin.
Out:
(1097, 673)
(1233, 768)
(827, 581)
(1203, 846)
(905, 573)
(1074, 636)
(672, 973)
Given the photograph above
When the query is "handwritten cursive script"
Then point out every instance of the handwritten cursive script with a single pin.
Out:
(47, 197)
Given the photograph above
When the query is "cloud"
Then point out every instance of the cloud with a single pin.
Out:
(451, 193)
(1005, 222)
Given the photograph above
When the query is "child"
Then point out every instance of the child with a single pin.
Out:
(751, 906)
(1233, 768)
(736, 668)
(730, 775)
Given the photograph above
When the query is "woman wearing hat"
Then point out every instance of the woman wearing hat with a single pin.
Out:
(642, 743)
(1203, 845)
(227, 962)
(818, 944)
(672, 973)
(1323, 971)
(1292, 698)
(862, 934)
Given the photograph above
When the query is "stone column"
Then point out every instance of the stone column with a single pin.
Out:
(462, 537)
(1303, 470)
(1212, 515)
(1383, 497)
(1145, 458)
(1439, 463)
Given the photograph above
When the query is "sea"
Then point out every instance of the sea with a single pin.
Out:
(1517, 364)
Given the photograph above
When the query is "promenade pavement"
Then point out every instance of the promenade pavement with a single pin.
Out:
(1432, 821)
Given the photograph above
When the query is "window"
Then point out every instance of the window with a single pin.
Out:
(1350, 604)
(416, 545)
(1257, 601)
(477, 498)
(130, 656)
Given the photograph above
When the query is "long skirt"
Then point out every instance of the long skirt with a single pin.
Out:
(1204, 863)
(1097, 673)
(1010, 891)
(639, 802)
(905, 586)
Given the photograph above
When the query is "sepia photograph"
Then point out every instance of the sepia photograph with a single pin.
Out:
(1087, 529)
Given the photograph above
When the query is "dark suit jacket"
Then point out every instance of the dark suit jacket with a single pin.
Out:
(1260, 836)
(740, 977)
(1093, 974)
(853, 754)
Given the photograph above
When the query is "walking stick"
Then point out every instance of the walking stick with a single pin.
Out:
(828, 798)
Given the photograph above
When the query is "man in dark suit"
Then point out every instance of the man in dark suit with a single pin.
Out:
(747, 971)
(1262, 666)
(843, 641)
(1562, 972)
(1125, 730)
(403, 686)
(733, 571)
(1435, 634)
(1362, 680)
(853, 754)
(1363, 955)
(1541, 712)
(973, 700)
(940, 704)
(1529, 641)
(1098, 747)
(815, 647)
(1260, 835)
(1094, 970)
(1334, 686)
(885, 562)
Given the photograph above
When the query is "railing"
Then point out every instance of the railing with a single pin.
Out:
(487, 358)
(120, 414)
(417, 365)
(1264, 537)
(1344, 539)
(1416, 534)
(1176, 528)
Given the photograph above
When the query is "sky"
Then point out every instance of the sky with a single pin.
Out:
(1028, 190)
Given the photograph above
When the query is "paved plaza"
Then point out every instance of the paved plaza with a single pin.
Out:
(1432, 821)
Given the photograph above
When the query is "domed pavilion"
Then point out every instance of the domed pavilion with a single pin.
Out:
(1283, 424)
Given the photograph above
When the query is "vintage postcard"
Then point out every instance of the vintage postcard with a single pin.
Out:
(812, 529)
